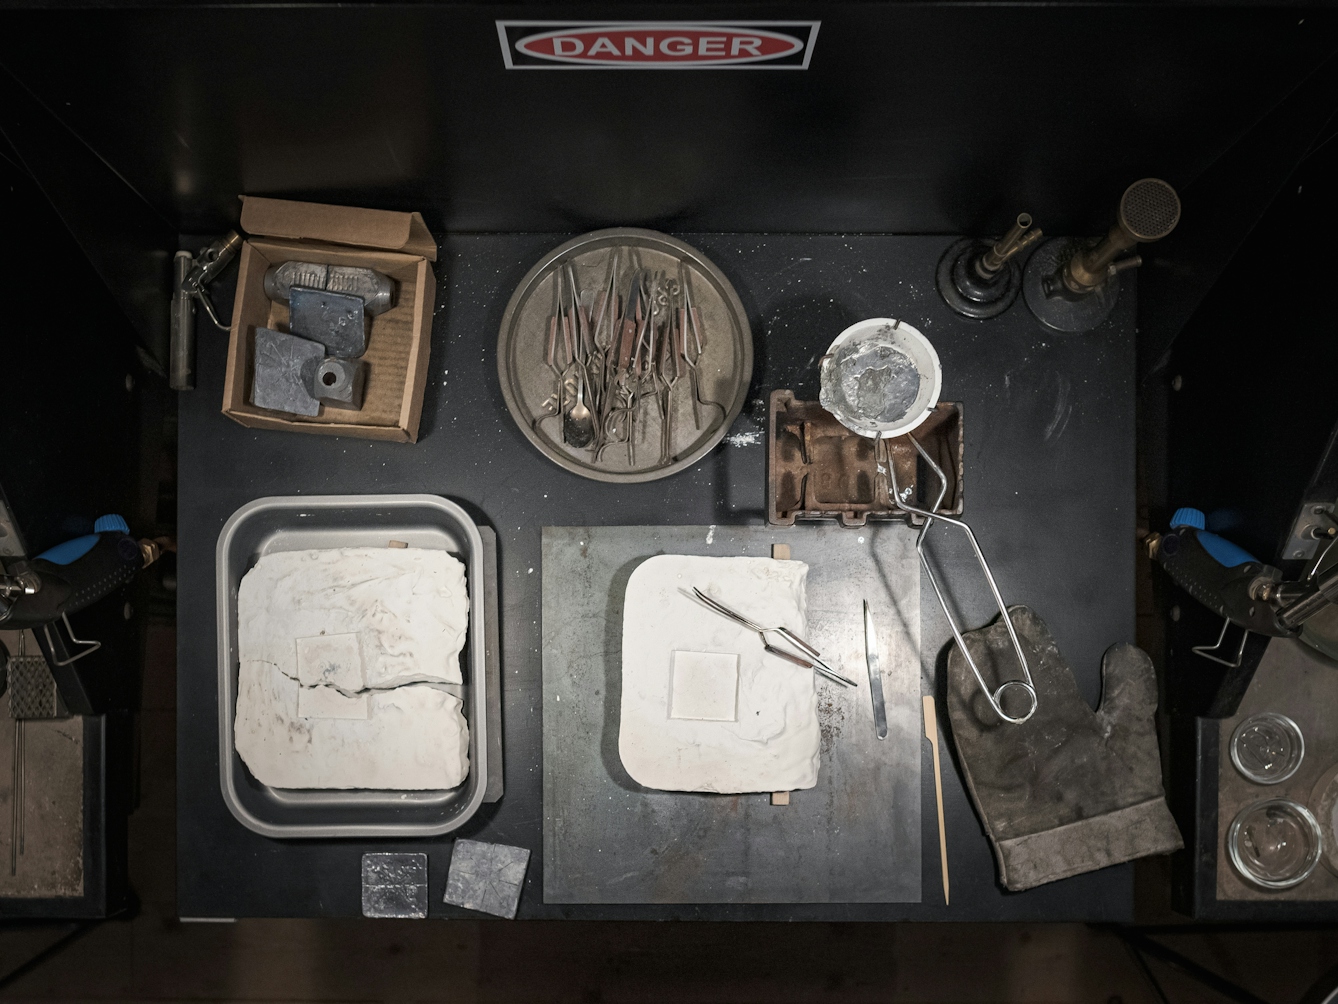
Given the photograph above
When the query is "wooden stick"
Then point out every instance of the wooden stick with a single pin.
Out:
(780, 552)
(931, 733)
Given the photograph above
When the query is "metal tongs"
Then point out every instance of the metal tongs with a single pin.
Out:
(811, 658)
(995, 696)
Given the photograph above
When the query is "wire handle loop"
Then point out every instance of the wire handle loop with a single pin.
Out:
(994, 697)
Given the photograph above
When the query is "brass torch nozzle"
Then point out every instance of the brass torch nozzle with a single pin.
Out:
(1020, 236)
(1149, 210)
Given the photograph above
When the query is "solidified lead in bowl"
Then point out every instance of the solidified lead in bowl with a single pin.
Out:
(1267, 748)
(876, 383)
(880, 378)
(1275, 844)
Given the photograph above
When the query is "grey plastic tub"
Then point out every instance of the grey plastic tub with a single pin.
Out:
(296, 523)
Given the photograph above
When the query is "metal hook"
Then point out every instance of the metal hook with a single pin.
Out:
(90, 645)
(995, 696)
(1207, 650)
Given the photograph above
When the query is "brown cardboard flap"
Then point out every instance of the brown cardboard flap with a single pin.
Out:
(370, 228)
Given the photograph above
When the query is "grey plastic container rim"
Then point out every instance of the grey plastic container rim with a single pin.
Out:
(227, 685)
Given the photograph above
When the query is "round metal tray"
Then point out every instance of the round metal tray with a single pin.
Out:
(723, 370)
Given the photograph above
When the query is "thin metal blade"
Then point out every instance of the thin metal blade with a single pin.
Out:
(875, 673)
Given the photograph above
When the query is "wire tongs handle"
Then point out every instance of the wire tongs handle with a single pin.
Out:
(995, 697)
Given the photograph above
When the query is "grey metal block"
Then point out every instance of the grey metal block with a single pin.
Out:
(336, 320)
(487, 877)
(284, 366)
(339, 383)
(394, 885)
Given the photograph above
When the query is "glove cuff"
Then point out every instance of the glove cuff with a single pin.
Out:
(1109, 839)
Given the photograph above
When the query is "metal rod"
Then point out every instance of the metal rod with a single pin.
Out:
(181, 371)
(14, 804)
(23, 784)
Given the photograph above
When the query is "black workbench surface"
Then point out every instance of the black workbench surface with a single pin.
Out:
(1049, 489)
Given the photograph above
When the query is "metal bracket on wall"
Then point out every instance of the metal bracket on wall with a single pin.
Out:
(1315, 526)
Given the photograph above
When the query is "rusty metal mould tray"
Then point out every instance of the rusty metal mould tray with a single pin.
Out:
(819, 469)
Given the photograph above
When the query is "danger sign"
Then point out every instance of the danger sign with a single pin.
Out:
(657, 45)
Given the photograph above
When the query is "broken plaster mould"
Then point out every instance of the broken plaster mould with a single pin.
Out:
(346, 660)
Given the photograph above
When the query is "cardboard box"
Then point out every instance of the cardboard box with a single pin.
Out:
(398, 341)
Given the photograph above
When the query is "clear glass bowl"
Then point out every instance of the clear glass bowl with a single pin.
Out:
(1274, 844)
(1267, 748)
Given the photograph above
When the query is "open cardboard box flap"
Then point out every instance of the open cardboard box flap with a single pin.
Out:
(314, 221)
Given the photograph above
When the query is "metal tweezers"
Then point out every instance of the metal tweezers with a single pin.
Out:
(813, 658)
(994, 697)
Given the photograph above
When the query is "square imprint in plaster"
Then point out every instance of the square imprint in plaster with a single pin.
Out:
(705, 687)
(330, 659)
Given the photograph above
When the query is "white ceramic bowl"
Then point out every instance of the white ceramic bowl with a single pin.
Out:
(911, 344)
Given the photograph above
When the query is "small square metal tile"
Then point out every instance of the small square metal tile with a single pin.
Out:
(394, 885)
(487, 877)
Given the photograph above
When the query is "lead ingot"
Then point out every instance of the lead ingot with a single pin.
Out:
(283, 364)
(376, 289)
(336, 320)
(339, 383)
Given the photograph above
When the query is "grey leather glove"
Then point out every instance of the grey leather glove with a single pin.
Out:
(1070, 790)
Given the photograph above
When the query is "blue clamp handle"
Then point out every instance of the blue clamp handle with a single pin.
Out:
(103, 524)
(72, 550)
(1225, 553)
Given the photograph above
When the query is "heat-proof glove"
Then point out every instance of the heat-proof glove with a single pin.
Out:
(1069, 790)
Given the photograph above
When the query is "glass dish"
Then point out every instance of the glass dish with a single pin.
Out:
(1274, 844)
(1267, 748)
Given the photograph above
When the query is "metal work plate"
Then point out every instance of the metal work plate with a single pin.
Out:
(854, 838)
(724, 369)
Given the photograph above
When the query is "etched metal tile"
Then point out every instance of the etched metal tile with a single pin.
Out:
(487, 877)
(394, 885)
